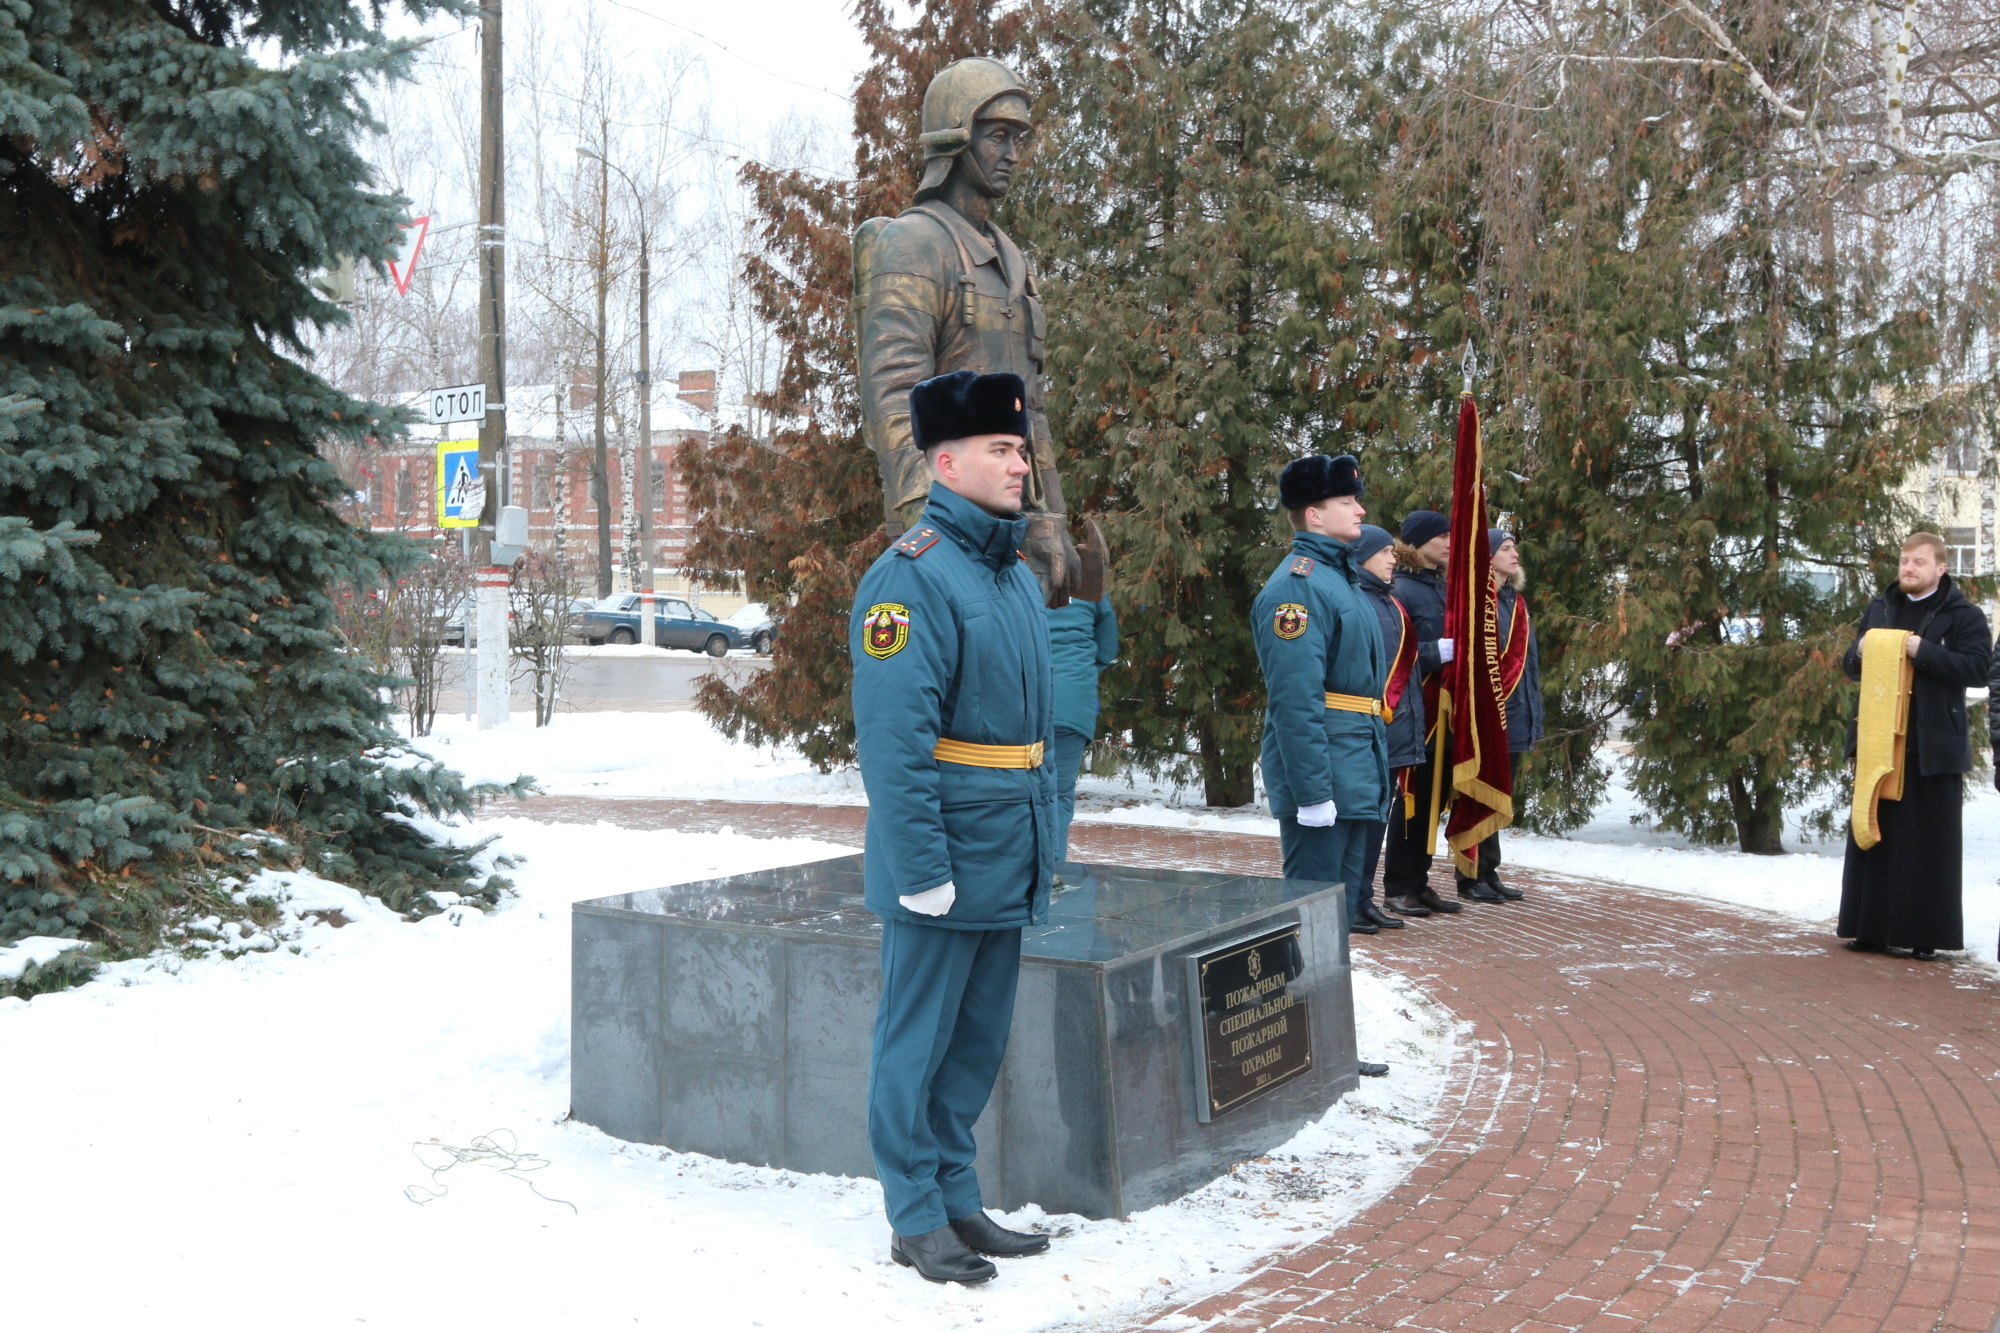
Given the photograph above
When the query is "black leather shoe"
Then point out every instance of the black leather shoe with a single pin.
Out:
(1405, 907)
(1378, 918)
(1360, 927)
(1473, 891)
(1491, 879)
(1428, 896)
(1369, 1069)
(985, 1236)
(1865, 946)
(1924, 955)
(940, 1256)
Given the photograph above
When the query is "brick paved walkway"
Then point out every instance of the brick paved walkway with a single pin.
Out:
(1674, 1116)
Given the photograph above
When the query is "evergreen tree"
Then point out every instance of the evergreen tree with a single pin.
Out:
(172, 172)
(799, 517)
(1706, 391)
(1202, 206)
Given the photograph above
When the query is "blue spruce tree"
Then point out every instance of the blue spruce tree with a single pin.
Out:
(171, 173)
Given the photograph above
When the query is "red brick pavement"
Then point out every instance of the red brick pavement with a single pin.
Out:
(1672, 1116)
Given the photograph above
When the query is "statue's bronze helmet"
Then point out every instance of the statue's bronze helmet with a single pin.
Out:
(952, 103)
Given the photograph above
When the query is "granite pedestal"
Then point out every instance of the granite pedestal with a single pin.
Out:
(732, 1017)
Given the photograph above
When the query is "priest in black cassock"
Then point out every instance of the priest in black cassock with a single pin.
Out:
(1903, 891)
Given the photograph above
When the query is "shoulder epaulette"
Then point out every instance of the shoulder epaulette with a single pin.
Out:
(1301, 565)
(916, 542)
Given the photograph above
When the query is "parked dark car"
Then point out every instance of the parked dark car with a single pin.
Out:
(465, 610)
(676, 624)
(753, 620)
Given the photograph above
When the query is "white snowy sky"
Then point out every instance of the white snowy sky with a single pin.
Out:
(765, 57)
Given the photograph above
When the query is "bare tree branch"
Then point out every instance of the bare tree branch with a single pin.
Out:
(1739, 61)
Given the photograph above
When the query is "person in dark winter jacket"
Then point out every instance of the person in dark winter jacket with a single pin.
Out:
(1521, 676)
(1402, 695)
(1083, 640)
(1419, 586)
(1906, 890)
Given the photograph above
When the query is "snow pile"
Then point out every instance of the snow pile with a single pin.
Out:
(34, 951)
(367, 1124)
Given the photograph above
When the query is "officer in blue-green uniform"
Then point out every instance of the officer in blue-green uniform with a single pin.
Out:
(953, 718)
(1325, 755)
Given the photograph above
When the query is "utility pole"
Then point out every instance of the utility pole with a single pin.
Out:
(492, 599)
(642, 471)
(644, 459)
(600, 463)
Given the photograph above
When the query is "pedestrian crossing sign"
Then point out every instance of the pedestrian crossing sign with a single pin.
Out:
(461, 494)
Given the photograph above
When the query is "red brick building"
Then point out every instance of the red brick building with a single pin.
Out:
(550, 448)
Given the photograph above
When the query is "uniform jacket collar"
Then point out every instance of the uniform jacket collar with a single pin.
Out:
(999, 250)
(991, 541)
(1326, 550)
(1367, 579)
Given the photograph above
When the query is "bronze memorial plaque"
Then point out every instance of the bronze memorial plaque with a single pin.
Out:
(1254, 1031)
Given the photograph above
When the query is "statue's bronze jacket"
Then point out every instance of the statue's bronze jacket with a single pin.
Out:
(935, 295)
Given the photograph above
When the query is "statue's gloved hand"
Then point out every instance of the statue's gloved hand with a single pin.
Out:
(1051, 556)
(1095, 564)
(931, 902)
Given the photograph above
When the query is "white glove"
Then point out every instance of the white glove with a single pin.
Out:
(931, 902)
(1446, 650)
(1316, 816)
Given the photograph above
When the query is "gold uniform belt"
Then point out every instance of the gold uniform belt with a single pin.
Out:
(1358, 703)
(988, 756)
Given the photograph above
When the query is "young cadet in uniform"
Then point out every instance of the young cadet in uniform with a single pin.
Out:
(1521, 684)
(1402, 696)
(1421, 551)
(953, 716)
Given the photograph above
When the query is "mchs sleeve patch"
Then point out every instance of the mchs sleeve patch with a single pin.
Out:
(1289, 620)
(887, 630)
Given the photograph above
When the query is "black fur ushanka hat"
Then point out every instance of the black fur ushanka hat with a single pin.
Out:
(1307, 481)
(962, 404)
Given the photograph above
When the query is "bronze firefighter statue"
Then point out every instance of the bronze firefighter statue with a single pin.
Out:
(942, 288)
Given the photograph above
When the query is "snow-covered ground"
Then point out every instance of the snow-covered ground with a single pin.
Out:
(679, 755)
(362, 1125)
(344, 1119)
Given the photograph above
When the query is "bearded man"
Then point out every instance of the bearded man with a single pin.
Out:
(1921, 644)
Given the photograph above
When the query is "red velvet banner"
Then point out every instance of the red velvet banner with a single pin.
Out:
(1472, 705)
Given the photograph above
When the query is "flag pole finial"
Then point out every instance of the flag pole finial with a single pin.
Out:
(1469, 363)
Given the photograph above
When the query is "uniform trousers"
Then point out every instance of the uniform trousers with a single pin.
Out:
(1336, 855)
(947, 1006)
(1068, 757)
(1375, 838)
(1406, 865)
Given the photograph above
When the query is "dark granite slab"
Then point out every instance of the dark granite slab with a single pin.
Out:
(733, 1017)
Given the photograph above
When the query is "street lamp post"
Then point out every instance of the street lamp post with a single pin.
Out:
(642, 480)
